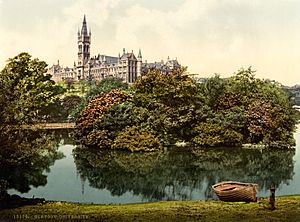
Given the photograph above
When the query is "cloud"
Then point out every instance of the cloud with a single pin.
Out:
(206, 35)
(154, 29)
(218, 36)
(188, 32)
(97, 11)
(51, 38)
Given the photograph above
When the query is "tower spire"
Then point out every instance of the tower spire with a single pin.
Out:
(84, 27)
(84, 42)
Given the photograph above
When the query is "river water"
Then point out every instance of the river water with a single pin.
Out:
(174, 174)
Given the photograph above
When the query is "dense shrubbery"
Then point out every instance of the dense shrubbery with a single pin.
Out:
(211, 134)
(136, 139)
(168, 108)
(99, 139)
(117, 118)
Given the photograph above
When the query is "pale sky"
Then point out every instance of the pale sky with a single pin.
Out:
(208, 36)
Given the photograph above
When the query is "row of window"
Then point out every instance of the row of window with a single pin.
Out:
(86, 48)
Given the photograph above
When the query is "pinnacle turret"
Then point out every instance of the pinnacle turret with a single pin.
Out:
(140, 54)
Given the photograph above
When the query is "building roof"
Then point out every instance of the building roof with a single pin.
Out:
(157, 65)
(173, 63)
(127, 56)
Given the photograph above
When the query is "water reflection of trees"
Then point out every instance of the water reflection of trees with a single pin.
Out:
(25, 156)
(176, 174)
(267, 167)
(63, 136)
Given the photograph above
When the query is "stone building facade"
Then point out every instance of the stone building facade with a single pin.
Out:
(126, 66)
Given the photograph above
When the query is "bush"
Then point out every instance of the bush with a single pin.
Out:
(210, 134)
(98, 139)
(136, 139)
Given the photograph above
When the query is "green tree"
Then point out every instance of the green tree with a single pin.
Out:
(25, 90)
(258, 109)
(118, 117)
(96, 88)
(70, 83)
(212, 88)
(98, 106)
(70, 103)
(173, 107)
(172, 101)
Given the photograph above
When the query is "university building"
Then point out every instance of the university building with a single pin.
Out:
(127, 66)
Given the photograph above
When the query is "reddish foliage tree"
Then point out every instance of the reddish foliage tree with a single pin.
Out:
(99, 106)
(260, 119)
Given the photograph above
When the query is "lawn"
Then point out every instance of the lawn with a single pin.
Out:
(287, 209)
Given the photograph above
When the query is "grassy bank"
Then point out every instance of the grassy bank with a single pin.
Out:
(287, 209)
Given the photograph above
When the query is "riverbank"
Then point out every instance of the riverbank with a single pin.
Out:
(287, 209)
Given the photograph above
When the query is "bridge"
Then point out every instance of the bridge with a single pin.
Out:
(56, 125)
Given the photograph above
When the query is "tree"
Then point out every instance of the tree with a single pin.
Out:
(70, 103)
(25, 90)
(93, 117)
(70, 83)
(96, 88)
(173, 107)
(172, 101)
(118, 117)
(212, 88)
(98, 106)
(258, 109)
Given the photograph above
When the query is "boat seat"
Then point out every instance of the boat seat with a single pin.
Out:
(231, 187)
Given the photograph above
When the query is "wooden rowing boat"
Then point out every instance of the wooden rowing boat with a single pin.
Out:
(232, 191)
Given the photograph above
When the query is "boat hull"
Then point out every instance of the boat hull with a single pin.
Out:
(232, 191)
